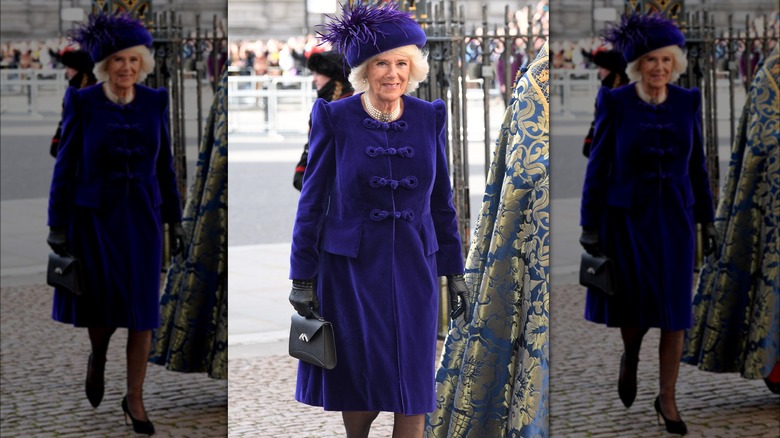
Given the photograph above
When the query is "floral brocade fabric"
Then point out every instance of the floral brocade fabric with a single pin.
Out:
(493, 377)
(193, 332)
(737, 301)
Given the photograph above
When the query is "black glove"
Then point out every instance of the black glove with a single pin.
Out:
(58, 241)
(456, 287)
(303, 298)
(589, 239)
(176, 238)
(709, 237)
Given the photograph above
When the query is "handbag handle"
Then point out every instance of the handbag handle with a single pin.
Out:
(315, 314)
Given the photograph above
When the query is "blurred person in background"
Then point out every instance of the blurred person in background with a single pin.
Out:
(330, 75)
(78, 66)
(612, 74)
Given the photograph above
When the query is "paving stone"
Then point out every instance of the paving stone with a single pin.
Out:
(42, 368)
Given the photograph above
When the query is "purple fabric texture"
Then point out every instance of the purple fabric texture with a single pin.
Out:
(376, 226)
(113, 187)
(363, 31)
(646, 186)
(104, 34)
(637, 34)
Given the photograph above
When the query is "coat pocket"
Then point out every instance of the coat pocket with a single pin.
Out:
(428, 235)
(342, 237)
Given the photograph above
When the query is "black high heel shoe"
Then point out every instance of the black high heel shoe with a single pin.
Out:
(94, 390)
(627, 386)
(677, 427)
(145, 427)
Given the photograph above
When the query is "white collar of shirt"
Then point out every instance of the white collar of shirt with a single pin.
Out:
(114, 98)
(646, 97)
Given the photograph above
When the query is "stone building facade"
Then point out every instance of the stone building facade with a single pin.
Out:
(40, 19)
(571, 19)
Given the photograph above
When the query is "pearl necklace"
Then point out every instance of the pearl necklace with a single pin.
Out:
(379, 115)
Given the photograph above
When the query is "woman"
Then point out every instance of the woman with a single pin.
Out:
(113, 188)
(612, 73)
(329, 75)
(646, 187)
(508, 270)
(737, 303)
(78, 70)
(375, 227)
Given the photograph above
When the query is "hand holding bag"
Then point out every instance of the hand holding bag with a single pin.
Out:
(598, 272)
(64, 272)
(312, 341)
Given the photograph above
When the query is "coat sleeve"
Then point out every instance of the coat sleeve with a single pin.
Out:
(703, 210)
(602, 152)
(312, 204)
(66, 166)
(166, 175)
(449, 257)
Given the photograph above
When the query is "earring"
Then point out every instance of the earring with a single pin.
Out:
(364, 79)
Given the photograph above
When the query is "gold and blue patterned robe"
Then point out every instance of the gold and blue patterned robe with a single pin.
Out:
(494, 372)
(193, 333)
(737, 302)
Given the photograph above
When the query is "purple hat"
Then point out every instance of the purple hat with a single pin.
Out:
(638, 34)
(364, 31)
(104, 34)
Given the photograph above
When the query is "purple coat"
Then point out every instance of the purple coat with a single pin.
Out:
(646, 186)
(376, 226)
(113, 187)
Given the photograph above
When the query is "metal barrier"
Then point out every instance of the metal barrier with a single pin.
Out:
(30, 84)
(566, 81)
(37, 89)
(278, 96)
(267, 94)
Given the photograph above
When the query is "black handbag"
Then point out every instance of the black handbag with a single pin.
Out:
(312, 341)
(598, 272)
(64, 272)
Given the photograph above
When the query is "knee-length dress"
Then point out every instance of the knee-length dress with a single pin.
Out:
(375, 226)
(113, 187)
(646, 187)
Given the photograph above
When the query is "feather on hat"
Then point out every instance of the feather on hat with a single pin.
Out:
(637, 34)
(104, 34)
(364, 31)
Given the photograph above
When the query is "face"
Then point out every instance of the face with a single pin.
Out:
(123, 68)
(603, 73)
(70, 72)
(319, 80)
(656, 68)
(388, 76)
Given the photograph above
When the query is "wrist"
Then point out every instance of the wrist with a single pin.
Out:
(305, 284)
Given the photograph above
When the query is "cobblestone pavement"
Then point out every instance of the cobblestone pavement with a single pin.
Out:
(42, 389)
(585, 359)
(584, 401)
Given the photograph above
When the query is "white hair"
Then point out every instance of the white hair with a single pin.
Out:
(680, 64)
(418, 70)
(147, 64)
